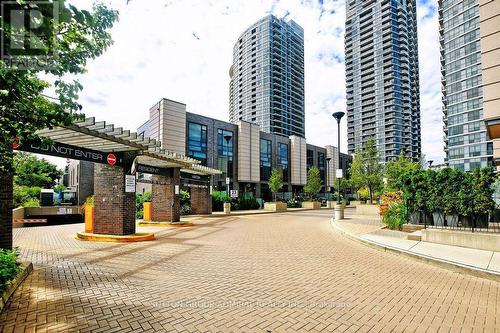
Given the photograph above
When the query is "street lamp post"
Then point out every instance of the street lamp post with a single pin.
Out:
(227, 206)
(228, 180)
(339, 210)
(328, 159)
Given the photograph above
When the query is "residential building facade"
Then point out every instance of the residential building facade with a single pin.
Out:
(489, 15)
(382, 78)
(242, 151)
(467, 145)
(267, 77)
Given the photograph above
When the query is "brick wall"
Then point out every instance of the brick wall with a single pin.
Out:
(163, 194)
(201, 201)
(114, 210)
(6, 205)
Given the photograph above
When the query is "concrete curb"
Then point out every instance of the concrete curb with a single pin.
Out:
(451, 265)
(138, 237)
(26, 269)
(250, 213)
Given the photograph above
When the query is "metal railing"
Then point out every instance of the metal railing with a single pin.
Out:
(480, 223)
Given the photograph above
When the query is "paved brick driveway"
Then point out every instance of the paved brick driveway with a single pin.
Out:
(273, 273)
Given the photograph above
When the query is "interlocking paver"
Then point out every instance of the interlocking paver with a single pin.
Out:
(268, 273)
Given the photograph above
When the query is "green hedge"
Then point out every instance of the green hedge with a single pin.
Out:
(450, 191)
(8, 267)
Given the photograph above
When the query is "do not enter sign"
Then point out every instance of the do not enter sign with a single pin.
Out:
(111, 159)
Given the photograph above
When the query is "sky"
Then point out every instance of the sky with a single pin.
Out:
(182, 50)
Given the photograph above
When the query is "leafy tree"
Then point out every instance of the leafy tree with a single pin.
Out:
(30, 170)
(314, 182)
(366, 170)
(394, 170)
(77, 36)
(275, 182)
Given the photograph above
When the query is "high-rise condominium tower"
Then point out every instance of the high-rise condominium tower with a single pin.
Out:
(267, 77)
(466, 142)
(383, 98)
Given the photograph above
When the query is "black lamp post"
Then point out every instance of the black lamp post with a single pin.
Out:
(430, 163)
(328, 159)
(338, 116)
(228, 180)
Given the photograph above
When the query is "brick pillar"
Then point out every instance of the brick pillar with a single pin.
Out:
(163, 195)
(6, 205)
(114, 210)
(201, 200)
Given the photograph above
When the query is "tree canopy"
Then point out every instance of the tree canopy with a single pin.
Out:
(366, 169)
(73, 37)
(275, 182)
(394, 170)
(30, 170)
(314, 182)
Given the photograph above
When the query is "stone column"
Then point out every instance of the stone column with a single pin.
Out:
(6, 205)
(201, 200)
(114, 210)
(166, 204)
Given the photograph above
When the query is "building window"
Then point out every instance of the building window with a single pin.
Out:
(283, 160)
(197, 142)
(265, 159)
(310, 159)
(225, 151)
(474, 150)
(321, 165)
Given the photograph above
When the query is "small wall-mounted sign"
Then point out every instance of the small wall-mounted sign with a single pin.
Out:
(177, 189)
(129, 183)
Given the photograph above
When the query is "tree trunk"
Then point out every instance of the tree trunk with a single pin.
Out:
(371, 195)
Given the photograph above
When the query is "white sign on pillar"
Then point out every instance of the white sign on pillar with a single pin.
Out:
(339, 173)
(177, 189)
(129, 183)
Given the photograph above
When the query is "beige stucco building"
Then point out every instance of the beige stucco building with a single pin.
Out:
(490, 53)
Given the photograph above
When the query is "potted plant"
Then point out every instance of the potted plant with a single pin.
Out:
(313, 186)
(275, 184)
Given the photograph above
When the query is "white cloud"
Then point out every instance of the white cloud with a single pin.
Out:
(182, 50)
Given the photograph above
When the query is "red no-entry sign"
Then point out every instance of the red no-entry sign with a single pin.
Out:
(111, 159)
(15, 143)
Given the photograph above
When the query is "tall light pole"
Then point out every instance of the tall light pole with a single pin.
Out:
(328, 175)
(338, 116)
(228, 180)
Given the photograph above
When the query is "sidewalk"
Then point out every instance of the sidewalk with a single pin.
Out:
(369, 230)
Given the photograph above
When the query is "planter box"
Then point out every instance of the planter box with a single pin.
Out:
(370, 210)
(275, 206)
(311, 204)
(12, 285)
(474, 240)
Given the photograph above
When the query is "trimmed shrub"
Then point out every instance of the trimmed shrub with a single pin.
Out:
(294, 203)
(395, 216)
(247, 203)
(8, 267)
(218, 200)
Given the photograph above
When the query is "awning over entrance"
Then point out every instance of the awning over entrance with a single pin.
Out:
(104, 137)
